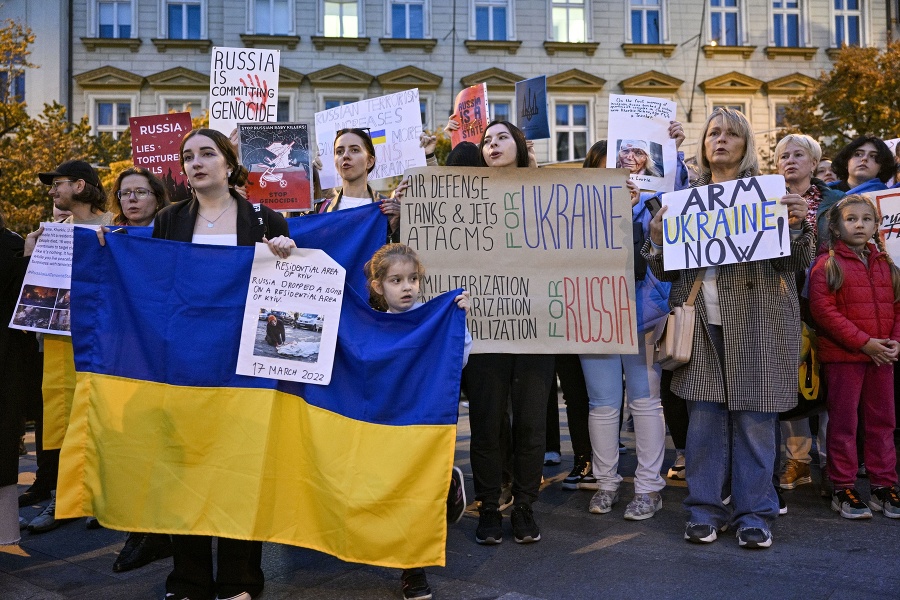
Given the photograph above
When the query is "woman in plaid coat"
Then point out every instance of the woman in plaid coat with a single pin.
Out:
(743, 367)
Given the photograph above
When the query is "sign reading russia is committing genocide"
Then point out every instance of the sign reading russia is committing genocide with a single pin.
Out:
(545, 253)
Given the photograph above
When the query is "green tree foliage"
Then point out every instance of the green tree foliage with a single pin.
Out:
(858, 96)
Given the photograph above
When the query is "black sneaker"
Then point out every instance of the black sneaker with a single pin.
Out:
(700, 533)
(886, 500)
(847, 503)
(415, 584)
(754, 537)
(456, 497)
(490, 527)
(581, 477)
(782, 505)
(525, 530)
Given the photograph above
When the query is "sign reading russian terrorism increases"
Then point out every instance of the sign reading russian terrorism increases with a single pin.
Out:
(545, 253)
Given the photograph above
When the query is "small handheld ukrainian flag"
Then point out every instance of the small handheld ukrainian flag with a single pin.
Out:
(379, 137)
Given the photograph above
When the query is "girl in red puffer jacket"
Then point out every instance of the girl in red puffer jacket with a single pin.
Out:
(854, 298)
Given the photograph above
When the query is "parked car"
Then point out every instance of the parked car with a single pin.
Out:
(309, 321)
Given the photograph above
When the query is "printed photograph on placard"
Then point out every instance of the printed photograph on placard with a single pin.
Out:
(288, 335)
(640, 157)
(42, 307)
(278, 159)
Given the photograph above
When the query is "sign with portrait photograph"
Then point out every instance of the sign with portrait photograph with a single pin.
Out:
(638, 140)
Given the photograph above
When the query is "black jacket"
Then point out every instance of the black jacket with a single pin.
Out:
(176, 222)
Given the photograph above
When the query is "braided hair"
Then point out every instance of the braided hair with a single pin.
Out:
(834, 275)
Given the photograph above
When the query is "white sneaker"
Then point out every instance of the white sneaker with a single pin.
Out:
(552, 458)
(241, 596)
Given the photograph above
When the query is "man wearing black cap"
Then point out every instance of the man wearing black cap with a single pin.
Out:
(75, 187)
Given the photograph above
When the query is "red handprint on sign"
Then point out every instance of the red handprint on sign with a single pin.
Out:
(258, 92)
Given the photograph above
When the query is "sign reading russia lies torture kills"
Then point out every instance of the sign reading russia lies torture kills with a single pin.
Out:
(721, 224)
(547, 254)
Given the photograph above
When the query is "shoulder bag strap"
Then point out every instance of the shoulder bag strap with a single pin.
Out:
(695, 289)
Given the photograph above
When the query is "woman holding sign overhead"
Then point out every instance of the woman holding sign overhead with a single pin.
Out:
(743, 366)
(493, 382)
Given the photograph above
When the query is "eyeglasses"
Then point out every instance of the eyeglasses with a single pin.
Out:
(139, 193)
(55, 184)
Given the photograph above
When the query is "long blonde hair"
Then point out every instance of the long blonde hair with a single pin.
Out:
(834, 275)
(377, 267)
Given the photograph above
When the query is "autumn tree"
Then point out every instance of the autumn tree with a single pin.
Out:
(858, 96)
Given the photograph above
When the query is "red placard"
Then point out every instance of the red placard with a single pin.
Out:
(277, 156)
(472, 113)
(155, 141)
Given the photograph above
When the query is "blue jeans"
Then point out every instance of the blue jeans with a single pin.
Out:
(738, 445)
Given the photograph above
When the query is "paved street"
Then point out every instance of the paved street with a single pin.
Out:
(816, 555)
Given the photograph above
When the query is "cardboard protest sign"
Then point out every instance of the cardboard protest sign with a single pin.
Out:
(155, 142)
(888, 203)
(394, 123)
(532, 116)
(43, 303)
(546, 254)
(472, 113)
(638, 140)
(291, 318)
(278, 159)
(243, 87)
(720, 224)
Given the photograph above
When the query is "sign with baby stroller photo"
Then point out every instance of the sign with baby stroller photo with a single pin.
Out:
(278, 159)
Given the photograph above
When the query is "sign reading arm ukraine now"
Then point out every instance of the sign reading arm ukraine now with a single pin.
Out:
(721, 224)
(165, 437)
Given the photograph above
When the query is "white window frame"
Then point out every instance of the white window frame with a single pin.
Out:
(802, 10)
(292, 97)
(389, 17)
(428, 99)
(588, 18)
(663, 9)
(164, 18)
(509, 5)
(253, 27)
(117, 97)
(774, 103)
(93, 21)
(337, 94)
(863, 14)
(740, 10)
(361, 18)
(500, 99)
(199, 101)
(746, 101)
(554, 128)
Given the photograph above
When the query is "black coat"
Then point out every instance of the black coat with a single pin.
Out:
(176, 222)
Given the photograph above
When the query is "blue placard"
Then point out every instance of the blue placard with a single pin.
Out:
(532, 116)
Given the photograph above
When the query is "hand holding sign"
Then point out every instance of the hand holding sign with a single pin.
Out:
(797, 210)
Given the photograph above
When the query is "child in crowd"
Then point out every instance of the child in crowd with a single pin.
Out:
(393, 274)
(854, 296)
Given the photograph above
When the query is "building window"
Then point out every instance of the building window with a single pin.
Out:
(184, 19)
(571, 131)
(283, 114)
(724, 22)
(330, 103)
(111, 117)
(732, 105)
(273, 17)
(491, 20)
(847, 22)
(500, 111)
(569, 20)
(194, 106)
(12, 85)
(341, 18)
(780, 110)
(786, 23)
(646, 24)
(114, 19)
(408, 19)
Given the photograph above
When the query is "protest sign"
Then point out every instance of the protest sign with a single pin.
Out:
(720, 224)
(394, 123)
(532, 116)
(243, 87)
(277, 157)
(472, 113)
(888, 204)
(546, 254)
(155, 142)
(43, 303)
(291, 317)
(638, 140)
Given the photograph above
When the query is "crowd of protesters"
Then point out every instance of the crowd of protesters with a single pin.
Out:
(729, 410)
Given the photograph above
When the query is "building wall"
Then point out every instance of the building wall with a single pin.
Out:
(226, 20)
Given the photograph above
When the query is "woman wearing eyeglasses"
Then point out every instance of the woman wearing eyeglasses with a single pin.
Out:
(138, 195)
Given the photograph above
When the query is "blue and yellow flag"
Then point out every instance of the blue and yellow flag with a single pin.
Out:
(165, 437)
(378, 137)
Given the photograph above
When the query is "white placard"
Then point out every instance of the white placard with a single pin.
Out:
(395, 124)
(719, 224)
(43, 303)
(888, 203)
(638, 140)
(303, 293)
(243, 87)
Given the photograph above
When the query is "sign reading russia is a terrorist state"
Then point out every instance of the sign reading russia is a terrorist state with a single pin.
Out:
(547, 254)
(721, 224)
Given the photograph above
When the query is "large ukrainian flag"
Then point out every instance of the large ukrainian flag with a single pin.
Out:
(164, 437)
